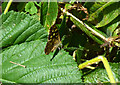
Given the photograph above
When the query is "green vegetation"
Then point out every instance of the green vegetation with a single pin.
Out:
(87, 30)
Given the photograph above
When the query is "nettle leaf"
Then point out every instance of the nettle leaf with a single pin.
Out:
(49, 11)
(100, 75)
(18, 27)
(39, 68)
(109, 14)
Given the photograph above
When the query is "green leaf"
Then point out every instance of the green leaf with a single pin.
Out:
(94, 6)
(111, 27)
(109, 14)
(39, 68)
(49, 11)
(31, 8)
(44, 8)
(95, 14)
(18, 27)
(21, 6)
(100, 75)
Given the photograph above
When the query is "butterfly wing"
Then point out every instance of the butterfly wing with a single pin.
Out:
(53, 40)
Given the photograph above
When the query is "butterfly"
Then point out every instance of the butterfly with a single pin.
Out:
(53, 40)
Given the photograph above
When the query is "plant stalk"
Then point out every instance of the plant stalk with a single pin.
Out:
(8, 6)
(106, 65)
(89, 28)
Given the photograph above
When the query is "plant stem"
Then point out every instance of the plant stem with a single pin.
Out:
(8, 6)
(106, 65)
(92, 30)
(89, 28)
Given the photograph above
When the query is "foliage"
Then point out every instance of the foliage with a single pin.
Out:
(24, 35)
(39, 68)
(31, 8)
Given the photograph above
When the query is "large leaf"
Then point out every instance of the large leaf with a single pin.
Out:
(39, 68)
(100, 75)
(18, 27)
(49, 11)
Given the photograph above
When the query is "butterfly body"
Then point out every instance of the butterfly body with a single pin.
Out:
(53, 40)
